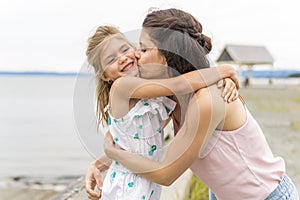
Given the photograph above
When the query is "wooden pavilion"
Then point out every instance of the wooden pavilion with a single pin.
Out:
(246, 55)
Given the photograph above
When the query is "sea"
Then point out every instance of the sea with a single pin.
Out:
(48, 126)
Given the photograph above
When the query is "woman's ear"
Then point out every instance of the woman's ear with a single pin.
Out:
(165, 61)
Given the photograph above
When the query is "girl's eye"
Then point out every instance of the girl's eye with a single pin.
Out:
(125, 50)
(111, 60)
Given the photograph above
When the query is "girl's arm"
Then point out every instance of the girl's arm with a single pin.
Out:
(205, 112)
(133, 87)
(128, 87)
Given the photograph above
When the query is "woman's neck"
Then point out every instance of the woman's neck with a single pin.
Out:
(132, 102)
(178, 114)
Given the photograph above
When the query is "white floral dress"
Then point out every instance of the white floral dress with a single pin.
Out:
(139, 131)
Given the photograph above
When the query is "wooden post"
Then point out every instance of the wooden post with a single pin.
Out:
(240, 73)
(249, 75)
(271, 77)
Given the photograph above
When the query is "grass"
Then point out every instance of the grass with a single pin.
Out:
(295, 125)
(198, 190)
(297, 99)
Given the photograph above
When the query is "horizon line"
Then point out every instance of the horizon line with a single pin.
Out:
(46, 73)
(268, 73)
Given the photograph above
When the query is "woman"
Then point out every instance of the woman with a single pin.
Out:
(221, 143)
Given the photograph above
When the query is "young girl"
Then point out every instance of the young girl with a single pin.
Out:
(136, 127)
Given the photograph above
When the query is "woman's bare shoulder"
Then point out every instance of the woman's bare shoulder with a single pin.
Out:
(211, 92)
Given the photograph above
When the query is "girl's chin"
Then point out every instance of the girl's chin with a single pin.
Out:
(133, 72)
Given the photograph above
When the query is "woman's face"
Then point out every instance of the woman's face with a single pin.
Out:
(152, 63)
(118, 58)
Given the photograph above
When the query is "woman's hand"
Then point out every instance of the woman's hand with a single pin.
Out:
(229, 90)
(93, 178)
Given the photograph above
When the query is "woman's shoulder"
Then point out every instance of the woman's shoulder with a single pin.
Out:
(209, 92)
(202, 91)
(209, 99)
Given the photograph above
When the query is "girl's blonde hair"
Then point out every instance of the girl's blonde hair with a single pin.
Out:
(94, 59)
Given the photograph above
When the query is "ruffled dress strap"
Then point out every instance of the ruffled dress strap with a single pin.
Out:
(160, 105)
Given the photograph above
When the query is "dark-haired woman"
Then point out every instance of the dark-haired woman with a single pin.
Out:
(221, 143)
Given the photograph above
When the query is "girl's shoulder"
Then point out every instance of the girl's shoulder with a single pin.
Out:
(162, 106)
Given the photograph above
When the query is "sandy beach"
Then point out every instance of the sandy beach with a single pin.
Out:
(277, 110)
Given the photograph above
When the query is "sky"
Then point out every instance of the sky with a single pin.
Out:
(51, 35)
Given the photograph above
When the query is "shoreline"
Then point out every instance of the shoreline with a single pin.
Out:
(57, 184)
(34, 188)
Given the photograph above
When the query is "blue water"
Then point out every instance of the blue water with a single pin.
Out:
(40, 73)
(39, 135)
(255, 73)
(272, 74)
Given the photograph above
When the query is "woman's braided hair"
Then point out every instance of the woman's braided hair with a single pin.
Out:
(178, 36)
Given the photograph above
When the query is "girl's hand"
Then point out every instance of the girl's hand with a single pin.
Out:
(229, 90)
(228, 71)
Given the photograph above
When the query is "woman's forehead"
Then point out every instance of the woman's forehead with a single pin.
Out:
(145, 38)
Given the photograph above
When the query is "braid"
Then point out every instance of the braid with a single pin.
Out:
(178, 36)
(194, 29)
(180, 21)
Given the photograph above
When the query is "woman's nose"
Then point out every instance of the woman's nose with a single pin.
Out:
(137, 54)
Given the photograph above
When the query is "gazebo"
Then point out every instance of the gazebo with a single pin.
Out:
(246, 55)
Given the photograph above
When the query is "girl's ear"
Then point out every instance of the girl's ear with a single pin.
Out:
(105, 78)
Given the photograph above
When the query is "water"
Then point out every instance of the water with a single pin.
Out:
(272, 73)
(38, 133)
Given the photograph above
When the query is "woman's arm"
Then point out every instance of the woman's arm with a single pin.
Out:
(205, 112)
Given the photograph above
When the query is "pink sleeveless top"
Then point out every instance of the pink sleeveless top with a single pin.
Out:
(239, 164)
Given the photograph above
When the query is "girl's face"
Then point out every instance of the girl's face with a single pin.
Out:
(152, 63)
(117, 58)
